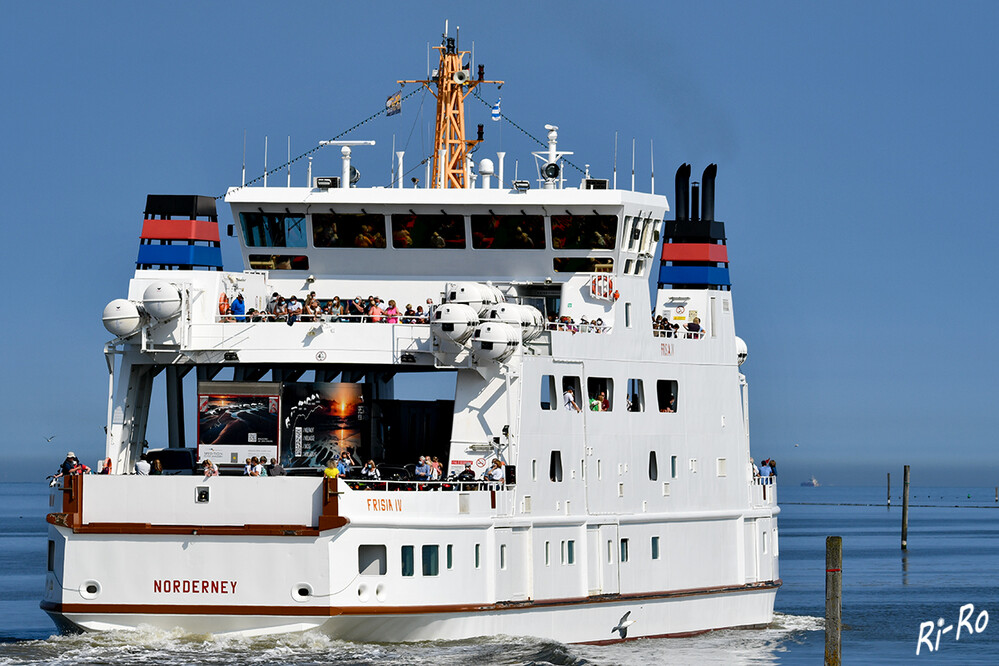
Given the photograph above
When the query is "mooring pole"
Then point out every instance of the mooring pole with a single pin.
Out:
(905, 507)
(997, 493)
(889, 490)
(834, 598)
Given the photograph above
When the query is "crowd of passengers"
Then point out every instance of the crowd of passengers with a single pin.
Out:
(570, 325)
(289, 310)
(662, 327)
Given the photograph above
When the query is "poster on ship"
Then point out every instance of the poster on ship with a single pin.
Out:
(319, 421)
(238, 420)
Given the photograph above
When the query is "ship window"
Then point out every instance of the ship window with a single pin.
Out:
(279, 262)
(624, 550)
(508, 232)
(372, 560)
(502, 556)
(570, 551)
(431, 560)
(653, 467)
(721, 465)
(584, 232)
(627, 265)
(636, 396)
(672, 467)
(549, 399)
(555, 467)
(408, 568)
(610, 551)
(428, 231)
(583, 264)
(548, 553)
(600, 393)
(534, 470)
(666, 394)
(450, 555)
(348, 230)
(655, 548)
(576, 397)
(627, 315)
(51, 558)
(273, 229)
(478, 553)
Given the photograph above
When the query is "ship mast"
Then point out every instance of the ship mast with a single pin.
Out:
(451, 84)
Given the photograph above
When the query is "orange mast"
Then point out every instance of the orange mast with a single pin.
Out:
(453, 83)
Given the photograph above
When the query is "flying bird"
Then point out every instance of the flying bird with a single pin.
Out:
(623, 624)
(49, 439)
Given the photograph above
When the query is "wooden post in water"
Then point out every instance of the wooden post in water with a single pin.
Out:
(905, 507)
(889, 489)
(834, 599)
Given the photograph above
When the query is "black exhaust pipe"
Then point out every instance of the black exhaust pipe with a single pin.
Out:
(695, 199)
(708, 193)
(683, 193)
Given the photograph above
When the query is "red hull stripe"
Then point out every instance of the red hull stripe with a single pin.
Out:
(332, 611)
(695, 252)
(195, 230)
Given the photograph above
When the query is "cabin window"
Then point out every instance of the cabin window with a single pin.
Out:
(655, 548)
(408, 566)
(548, 553)
(273, 229)
(51, 556)
(534, 470)
(572, 401)
(279, 262)
(348, 230)
(431, 560)
(555, 467)
(450, 555)
(627, 315)
(570, 552)
(502, 556)
(636, 396)
(478, 553)
(672, 467)
(600, 394)
(583, 264)
(508, 232)
(428, 231)
(666, 394)
(584, 232)
(610, 551)
(653, 467)
(372, 560)
(628, 263)
(624, 551)
(549, 399)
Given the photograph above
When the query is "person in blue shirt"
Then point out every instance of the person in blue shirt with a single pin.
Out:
(423, 470)
(343, 465)
(238, 308)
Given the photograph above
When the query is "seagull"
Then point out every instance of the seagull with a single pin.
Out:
(49, 439)
(623, 624)
(795, 446)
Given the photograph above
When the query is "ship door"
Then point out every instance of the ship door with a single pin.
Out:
(513, 564)
(602, 559)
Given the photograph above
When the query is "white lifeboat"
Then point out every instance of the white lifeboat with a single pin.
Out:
(495, 341)
(124, 318)
(161, 300)
(454, 321)
(526, 318)
(478, 296)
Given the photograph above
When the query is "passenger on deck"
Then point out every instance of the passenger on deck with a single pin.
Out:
(375, 311)
(275, 468)
(343, 465)
(280, 309)
(335, 309)
(331, 472)
(248, 467)
(604, 402)
(142, 466)
(261, 467)
(694, 329)
(409, 317)
(391, 313)
(68, 464)
(370, 471)
(355, 310)
(496, 473)
(311, 309)
(466, 474)
(765, 471)
(157, 468)
(209, 468)
(569, 400)
(105, 466)
(435, 465)
(423, 470)
(238, 308)
(294, 310)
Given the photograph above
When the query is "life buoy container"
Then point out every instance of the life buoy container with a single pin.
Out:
(223, 303)
(602, 287)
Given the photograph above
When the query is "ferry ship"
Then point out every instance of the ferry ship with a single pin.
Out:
(623, 504)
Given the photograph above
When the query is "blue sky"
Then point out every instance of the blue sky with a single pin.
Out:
(856, 144)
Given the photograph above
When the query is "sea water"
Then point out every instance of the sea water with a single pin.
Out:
(890, 598)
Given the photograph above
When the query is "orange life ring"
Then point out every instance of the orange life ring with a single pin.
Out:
(223, 303)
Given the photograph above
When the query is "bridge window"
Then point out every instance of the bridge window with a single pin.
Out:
(584, 232)
(666, 395)
(279, 262)
(583, 264)
(372, 560)
(508, 232)
(273, 229)
(428, 231)
(348, 230)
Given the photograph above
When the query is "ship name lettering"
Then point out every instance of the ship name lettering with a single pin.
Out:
(377, 504)
(177, 586)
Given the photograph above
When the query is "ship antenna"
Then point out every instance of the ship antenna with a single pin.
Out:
(289, 160)
(265, 161)
(652, 163)
(615, 160)
(632, 164)
(244, 158)
(451, 85)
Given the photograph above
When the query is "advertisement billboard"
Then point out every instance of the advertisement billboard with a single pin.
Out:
(320, 420)
(238, 420)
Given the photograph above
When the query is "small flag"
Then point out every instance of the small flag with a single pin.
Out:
(496, 110)
(394, 103)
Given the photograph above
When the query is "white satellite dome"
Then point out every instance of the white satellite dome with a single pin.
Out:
(123, 317)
